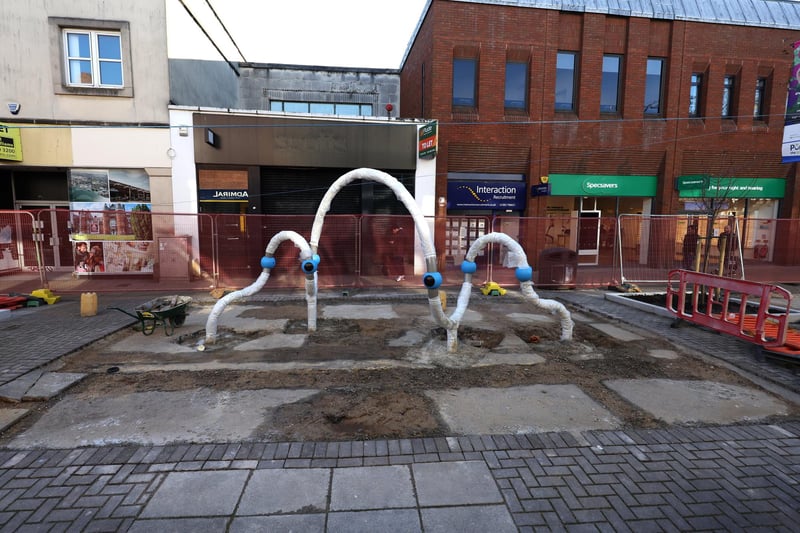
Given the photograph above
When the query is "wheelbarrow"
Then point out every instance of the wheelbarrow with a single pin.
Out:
(166, 311)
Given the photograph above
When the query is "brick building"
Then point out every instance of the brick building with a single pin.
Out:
(591, 108)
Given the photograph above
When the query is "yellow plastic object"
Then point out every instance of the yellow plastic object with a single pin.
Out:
(46, 295)
(490, 288)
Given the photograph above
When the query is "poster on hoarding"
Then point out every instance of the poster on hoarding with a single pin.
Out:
(790, 151)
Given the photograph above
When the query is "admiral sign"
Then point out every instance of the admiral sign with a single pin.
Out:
(494, 195)
(223, 195)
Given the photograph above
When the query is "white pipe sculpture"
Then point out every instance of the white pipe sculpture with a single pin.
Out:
(432, 279)
(524, 272)
(308, 262)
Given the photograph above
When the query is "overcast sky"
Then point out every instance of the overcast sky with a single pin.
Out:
(347, 33)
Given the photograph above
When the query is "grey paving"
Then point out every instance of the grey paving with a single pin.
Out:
(742, 476)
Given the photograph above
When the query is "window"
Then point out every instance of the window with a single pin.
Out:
(565, 81)
(609, 85)
(465, 75)
(695, 93)
(93, 59)
(654, 82)
(759, 107)
(321, 108)
(516, 85)
(728, 85)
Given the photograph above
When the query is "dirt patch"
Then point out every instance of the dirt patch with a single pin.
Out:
(387, 399)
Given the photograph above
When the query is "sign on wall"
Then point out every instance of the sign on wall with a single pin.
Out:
(495, 195)
(791, 129)
(10, 143)
(428, 140)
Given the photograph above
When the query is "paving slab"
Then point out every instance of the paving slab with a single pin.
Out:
(269, 342)
(359, 311)
(521, 359)
(409, 338)
(51, 384)
(299, 523)
(196, 494)
(675, 401)
(494, 518)
(13, 391)
(616, 332)
(455, 483)
(180, 525)
(371, 487)
(276, 491)
(663, 354)
(394, 520)
(10, 416)
(527, 318)
(516, 410)
(156, 418)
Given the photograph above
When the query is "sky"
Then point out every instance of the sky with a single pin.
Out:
(344, 33)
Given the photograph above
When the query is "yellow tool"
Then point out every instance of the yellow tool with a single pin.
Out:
(490, 288)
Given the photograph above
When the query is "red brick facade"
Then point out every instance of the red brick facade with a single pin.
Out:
(541, 141)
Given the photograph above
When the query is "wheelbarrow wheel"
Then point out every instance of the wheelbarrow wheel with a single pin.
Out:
(178, 320)
(169, 326)
(148, 326)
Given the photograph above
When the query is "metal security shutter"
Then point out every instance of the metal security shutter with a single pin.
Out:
(293, 191)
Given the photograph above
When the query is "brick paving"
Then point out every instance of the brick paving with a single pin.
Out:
(740, 477)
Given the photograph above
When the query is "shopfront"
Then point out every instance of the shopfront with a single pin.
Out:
(584, 209)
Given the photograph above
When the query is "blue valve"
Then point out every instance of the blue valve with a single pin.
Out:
(432, 280)
(309, 266)
(469, 267)
(524, 273)
(267, 262)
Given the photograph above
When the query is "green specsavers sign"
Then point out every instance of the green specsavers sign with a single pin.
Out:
(733, 187)
(596, 185)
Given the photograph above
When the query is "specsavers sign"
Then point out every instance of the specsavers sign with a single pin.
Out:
(596, 185)
(737, 188)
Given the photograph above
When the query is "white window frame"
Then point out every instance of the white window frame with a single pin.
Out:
(94, 58)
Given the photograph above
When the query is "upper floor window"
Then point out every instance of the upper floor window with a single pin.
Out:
(516, 96)
(653, 86)
(695, 94)
(93, 58)
(728, 86)
(465, 78)
(759, 107)
(565, 81)
(321, 108)
(609, 85)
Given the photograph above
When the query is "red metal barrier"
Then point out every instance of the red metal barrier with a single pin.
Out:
(755, 312)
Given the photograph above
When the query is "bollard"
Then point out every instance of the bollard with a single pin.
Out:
(88, 304)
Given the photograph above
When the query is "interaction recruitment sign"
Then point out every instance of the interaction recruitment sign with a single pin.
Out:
(496, 195)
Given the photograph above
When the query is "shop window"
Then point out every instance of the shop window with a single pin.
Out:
(609, 85)
(653, 87)
(516, 96)
(465, 78)
(695, 95)
(728, 102)
(566, 77)
(321, 108)
(92, 57)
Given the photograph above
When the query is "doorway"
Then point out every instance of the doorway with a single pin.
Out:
(50, 233)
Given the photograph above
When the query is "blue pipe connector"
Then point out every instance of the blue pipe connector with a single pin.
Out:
(267, 262)
(524, 273)
(432, 280)
(469, 267)
(309, 266)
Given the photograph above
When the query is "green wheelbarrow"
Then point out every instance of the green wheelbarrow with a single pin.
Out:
(166, 311)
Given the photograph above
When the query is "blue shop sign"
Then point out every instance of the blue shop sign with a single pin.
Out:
(509, 195)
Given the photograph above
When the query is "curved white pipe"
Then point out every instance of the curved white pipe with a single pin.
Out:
(518, 259)
(272, 246)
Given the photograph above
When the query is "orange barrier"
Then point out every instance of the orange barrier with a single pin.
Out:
(755, 312)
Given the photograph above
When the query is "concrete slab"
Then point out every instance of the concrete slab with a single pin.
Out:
(359, 311)
(277, 491)
(523, 359)
(13, 391)
(155, 418)
(179, 525)
(155, 343)
(371, 487)
(510, 344)
(394, 520)
(51, 384)
(455, 483)
(676, 401)
(526, 409)
(197, 494)
(269, 342)
(616, 332)
(494, 518)
(258, 524)
(409, 338)
(10, 416)
(663, 354)
(527, 318)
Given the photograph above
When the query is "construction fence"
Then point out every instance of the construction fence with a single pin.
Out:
(77, 251)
